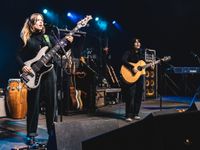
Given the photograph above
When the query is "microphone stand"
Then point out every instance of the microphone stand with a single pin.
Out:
(162, 84)
(195, 56)
(68, 32)
(161, 89)
(198, 59)
(61, 73)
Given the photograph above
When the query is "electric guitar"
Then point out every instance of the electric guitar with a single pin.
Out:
(130, 77)
(73, 90)
(39, 64)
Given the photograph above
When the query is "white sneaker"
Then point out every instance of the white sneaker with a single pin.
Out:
(129, 119)
(137, 117)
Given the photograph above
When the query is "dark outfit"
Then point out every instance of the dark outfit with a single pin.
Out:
(132, 93)
(46, 91)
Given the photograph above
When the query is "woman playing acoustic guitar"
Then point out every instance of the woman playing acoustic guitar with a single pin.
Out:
(132, 92)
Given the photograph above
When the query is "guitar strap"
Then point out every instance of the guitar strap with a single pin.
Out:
(46, 38)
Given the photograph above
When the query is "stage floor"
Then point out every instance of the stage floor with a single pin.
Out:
(13, 131)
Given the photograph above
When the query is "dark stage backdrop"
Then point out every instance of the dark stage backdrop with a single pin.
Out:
(170, 27)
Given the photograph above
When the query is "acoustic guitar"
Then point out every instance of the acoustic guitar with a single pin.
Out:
(81, 96)
(130, 77)
(74, 94)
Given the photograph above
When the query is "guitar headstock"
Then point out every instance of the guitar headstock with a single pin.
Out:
(84, 22)
(166, 58)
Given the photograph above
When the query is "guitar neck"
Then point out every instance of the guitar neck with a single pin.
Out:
(63, 41)
(48, 56)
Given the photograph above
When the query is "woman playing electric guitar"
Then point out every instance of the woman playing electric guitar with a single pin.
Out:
(34, 37)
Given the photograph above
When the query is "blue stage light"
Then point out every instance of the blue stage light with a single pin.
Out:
(69, 14)
(102, 25)
(74, 17)
(116, 25)
(113, 22)
(45, 11)
(97, 19)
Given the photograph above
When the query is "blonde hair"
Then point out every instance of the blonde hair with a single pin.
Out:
(28, 28)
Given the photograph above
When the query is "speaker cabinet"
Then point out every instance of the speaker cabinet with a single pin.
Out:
(194, 107)
(157, 131)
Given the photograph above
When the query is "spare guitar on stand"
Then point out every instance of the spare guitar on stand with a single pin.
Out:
(113, 76)
(75, 94)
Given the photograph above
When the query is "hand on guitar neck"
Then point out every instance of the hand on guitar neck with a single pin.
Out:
(69, 38)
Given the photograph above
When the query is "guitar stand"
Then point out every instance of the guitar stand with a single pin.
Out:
(113, 75)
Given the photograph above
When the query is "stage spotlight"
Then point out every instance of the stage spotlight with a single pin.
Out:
(102, 25)
(69, 14)
(50, 16)
(97, 19)
(74, 17)
(117, 25)
(113, 22)
(45, 11)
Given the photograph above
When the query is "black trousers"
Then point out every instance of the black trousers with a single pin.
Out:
(132, 96)
(45, 92)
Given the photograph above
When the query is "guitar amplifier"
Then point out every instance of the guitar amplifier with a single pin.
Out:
(100, 97)
(2, 106)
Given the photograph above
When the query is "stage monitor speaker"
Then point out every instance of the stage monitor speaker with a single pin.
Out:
(157, 132)
(176, 130)
(194, 107)
(164, 112)
(69, 135)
